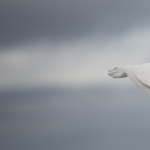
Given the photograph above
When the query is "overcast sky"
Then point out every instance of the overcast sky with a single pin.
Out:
(70, 42)
(22, 21)
(55, 93)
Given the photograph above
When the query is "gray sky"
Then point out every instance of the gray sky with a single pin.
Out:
(55, 93)
(24, 21)
(70, 43)
(83, 119)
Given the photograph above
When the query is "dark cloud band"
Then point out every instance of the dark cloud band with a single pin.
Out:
(22, 21)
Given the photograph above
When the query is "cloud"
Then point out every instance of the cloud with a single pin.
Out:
(81, 119)
(72, 64)
(24, 21)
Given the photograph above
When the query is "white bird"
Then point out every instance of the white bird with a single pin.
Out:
(139, 74)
